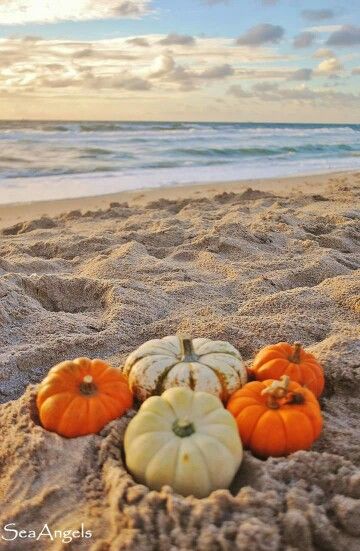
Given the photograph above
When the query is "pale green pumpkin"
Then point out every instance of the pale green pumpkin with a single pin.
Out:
(183, 439)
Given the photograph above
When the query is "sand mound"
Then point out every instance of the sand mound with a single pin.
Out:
(251, 268)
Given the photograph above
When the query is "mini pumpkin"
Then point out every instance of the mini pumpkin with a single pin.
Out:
(183, 439)
(200, 364)
(276, 418)
(81, 396)
(286, 359)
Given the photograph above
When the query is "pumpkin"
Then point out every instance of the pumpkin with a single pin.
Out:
(200, 364)
(286, 359)
(81, 396)
(276, 418)
(183, 439)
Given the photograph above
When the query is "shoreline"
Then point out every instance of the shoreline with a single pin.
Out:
(12, 213)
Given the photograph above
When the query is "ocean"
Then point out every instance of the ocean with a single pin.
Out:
(52, 160)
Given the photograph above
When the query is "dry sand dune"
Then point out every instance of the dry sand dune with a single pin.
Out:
(250, 267)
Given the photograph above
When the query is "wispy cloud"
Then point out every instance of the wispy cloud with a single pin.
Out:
(274, 93)
(214, 2)
(14, 12)
(324, 28)
(323, 53)
(318, 15)
(177, 39)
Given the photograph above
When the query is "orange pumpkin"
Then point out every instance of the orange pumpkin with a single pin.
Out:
(81, 396)
(286, 359)
(276, 418)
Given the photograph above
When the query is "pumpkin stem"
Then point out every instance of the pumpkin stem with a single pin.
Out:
(276, 391)
(295, 358)
(88, 387)
(183, 428)
(187, 350)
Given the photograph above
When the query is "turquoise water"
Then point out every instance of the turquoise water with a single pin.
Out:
(42, 160)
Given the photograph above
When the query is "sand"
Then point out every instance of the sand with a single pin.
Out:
(276, 262)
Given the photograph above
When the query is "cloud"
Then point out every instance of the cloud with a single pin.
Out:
(329, 66)
(304, 40)
(162, 65)
(301, 74)
(117, 68)
(88, 79)
(265, 87)
(218, 71)
(214, 2)
(14, 12)
(238, 91)
(138, 41)
(188, 79)
(348, 35)
(317, 15)
(274, 92)
(261, 34)
(323, 53)
(302, 95)
(174, 39)
(324, 28)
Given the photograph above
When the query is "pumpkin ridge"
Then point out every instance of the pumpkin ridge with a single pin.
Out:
(210, 413)
(64, 412)
(158, 452)
(172, 409)
(113, 384)
(210, 480)
(289, 371)
(218, 442)
(157, 431)
(162, 376)
(192, 380)
(224, 392)
(41, 402)
(161, 379)
(303, 413)
(312, 382)
(284, 428)
(237, 356)
(315, 430)
(255, 426)
(106, 372)
(116, 404)
(129, 367)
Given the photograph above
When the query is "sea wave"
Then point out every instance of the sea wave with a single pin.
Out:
(258, 151)
(130, 152)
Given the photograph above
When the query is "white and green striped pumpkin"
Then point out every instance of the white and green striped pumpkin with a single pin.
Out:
(201, 364)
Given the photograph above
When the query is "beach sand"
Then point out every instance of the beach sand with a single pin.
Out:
(250, 263)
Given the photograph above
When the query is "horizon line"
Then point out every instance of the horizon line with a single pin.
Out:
(185, 121)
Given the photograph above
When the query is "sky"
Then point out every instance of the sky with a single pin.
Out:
(192, 60)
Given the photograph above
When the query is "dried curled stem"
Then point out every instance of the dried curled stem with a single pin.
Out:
(276, 391)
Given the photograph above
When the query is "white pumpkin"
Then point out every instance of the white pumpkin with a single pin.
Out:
(183, 439)
(200, 364)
